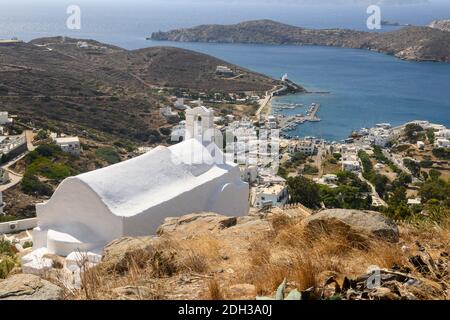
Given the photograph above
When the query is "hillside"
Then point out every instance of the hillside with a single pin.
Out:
(103, 89)
(208, 256)
(409, 43)
(443, 25)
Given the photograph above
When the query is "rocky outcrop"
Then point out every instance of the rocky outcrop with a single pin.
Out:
(366, 222)
(409, 43)
(29, 287)
(193, 224)
(118, 254)
(443, 25)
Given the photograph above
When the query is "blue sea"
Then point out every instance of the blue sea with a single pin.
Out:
(364, 87)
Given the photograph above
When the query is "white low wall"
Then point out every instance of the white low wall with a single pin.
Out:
(18, 225)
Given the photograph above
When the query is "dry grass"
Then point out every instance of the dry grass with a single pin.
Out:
(306, 258)
(214, 290)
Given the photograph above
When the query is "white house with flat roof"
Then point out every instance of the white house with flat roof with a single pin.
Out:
(69, 145)
(442, 143)
(273, 195)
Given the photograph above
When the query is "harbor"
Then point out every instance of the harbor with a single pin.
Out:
(288, 123)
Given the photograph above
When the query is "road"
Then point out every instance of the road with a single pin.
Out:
(15, 177)
(397, 161)
(319, 160)
(266, 102)
(375, 196)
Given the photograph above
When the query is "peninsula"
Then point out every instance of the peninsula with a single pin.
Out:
(410, 43)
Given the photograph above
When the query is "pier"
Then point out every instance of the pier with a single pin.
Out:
(290, 122)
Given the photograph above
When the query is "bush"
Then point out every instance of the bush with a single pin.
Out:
(430, 135)
(6, 265)
(165, 131)
(7, 218)
(413, 166)
(442, 153)
(6, 248)
(27, 244)
(304, 191)
(46, 168)
(31, 185)
(108, 154)
(42, 135)
(426, 163)
(308, 169)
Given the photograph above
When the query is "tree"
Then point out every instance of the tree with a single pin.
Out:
(442, 153)
(434, 174)
(413, 166)
(435, 189)
(411, 131)
(403, 179)
(430, 136)
(304, 191)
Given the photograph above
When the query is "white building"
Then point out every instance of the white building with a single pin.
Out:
(420, 145)
(178, 132)
(329, 180)
(380, 136)
(179, 104)
(273, 195)
(69, 144)
(443, 134)
(271, 122)
(307, 147)
(224, 70)
(351, 165)
(4, 118)
(249, 173)
(442, 143)
(133, 198)
(167, 112)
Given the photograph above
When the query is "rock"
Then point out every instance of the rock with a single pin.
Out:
(194, 224)
(242, 291)
(118, 254)
(369, 222)
(134, 293)
(383, 294)
(29, 287)
(58, 262)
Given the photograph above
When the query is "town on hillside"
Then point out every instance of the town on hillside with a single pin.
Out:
(213, 187)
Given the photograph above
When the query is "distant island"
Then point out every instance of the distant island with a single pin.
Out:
(414, 43)
(394, 24)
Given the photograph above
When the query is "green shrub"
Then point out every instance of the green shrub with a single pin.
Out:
(426, 163)
(6, 265)
(31, 185)
(308, 169)
(108, 154)
(7, 218)
(6, 248)
(442, 153)
(304, 191)
(27, 244)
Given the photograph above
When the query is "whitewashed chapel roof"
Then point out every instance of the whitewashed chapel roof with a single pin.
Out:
(131, 187)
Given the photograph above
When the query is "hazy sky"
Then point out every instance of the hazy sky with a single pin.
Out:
(309, 2)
